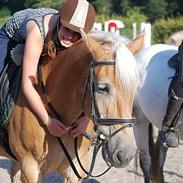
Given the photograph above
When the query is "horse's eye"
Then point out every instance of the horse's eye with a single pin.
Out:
(102, 87)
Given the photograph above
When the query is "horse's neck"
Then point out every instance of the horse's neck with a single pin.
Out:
(64, 77)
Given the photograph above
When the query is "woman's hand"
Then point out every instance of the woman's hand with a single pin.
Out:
(56, 127)
(80, 126)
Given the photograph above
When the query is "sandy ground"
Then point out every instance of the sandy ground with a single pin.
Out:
(173, 171)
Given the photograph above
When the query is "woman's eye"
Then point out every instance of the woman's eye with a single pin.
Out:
(102, 87)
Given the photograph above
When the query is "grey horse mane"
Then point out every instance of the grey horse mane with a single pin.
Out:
(109, 37)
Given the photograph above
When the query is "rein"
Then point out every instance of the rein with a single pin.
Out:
(96, 147)
(101, 138)
(58, 117)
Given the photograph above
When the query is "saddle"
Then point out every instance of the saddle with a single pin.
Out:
(10, 80)
(9, 85)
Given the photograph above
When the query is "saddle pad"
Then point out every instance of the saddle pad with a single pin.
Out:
(9, 87)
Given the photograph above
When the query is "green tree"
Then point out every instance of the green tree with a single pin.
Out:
(102, 6)
(156, 9)
(30, 3)
(172, 7)
(13, 6)
(124, 6)
(180, 6)
(135, 14)
(4, 12)
(43, 3)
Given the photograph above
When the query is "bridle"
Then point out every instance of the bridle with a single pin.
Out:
(95, 112)
(102, 138)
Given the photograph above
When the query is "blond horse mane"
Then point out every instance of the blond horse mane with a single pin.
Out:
(126, 70)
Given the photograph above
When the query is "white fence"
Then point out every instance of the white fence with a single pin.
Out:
(115, 26)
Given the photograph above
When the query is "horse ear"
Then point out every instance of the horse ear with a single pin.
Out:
(137, 44)
(83, 35)
(94, 47)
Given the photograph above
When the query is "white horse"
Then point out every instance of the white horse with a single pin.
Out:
(150, 105)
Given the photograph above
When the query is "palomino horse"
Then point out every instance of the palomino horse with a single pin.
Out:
(99, 80)
(150, 105)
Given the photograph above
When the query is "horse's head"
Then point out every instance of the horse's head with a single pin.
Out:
(112, 83)
(98, 78)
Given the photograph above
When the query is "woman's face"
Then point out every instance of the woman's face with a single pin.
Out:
(67, 37)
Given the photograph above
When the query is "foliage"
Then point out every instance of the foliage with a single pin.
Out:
(3, 20)
(46, 3)
(163, 28)
(156, 9)
(14, 6)
(4, 11)
(133, 15)
(102, 6)
(128, 11)
(153, 9)
(120, 7)
(4, 15)
(30, 3)
(172, 7)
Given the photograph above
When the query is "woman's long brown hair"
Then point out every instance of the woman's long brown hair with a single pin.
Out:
(52, 43)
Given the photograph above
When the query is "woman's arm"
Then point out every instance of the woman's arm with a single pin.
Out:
(32, 52)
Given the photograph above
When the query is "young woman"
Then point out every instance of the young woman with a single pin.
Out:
(33, 27)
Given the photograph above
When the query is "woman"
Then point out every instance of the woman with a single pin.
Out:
(38, 28)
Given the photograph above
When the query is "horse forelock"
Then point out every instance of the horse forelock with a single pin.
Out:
(126, 69)
(108, 37)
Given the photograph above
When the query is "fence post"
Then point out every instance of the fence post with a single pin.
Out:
(146, 27)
